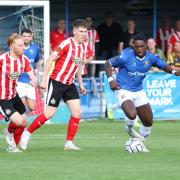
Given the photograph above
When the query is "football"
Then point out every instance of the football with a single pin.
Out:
(134, 145)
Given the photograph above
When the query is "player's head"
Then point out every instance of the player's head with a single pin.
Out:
(15, 43)
(109, 18)
(139, 44)
(131, 25)
(151, 43)
(79, 30)
(27, 36)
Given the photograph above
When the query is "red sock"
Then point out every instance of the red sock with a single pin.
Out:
(72, 128)
(17, 134)
(12, 127)
(38, 122)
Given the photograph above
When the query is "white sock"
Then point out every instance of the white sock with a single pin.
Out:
(145, 131)
(130, 123)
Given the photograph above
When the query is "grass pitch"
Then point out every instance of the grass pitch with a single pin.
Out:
(103, 156)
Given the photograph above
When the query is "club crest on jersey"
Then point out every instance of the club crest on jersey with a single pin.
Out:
(8, 111)
(53, 101)
(31, 51)
(14, 75)
(146, 63)
(77, 60)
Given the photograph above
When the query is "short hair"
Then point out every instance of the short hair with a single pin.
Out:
(139, 36)
(25, 30)
(13, 37)
(80, 23)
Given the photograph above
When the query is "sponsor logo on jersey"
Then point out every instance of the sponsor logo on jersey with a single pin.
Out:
(136, 73)
(14, 75)
(77, 60)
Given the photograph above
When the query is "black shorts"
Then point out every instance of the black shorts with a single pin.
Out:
(58, 90)
(10, 106)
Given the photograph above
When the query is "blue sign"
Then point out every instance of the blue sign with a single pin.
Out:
(161, 88)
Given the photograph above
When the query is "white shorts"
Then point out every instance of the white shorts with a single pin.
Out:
(139, 98)
(26, 90)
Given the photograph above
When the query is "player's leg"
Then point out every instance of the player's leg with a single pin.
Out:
(71, 98)
(17, 121)
(125, 100)
(145, 115)
(52, 101)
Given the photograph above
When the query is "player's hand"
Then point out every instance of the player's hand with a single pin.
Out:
(82, 89)
(43, 85)
(114, 85)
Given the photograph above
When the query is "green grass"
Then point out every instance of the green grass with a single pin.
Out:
(103, 156)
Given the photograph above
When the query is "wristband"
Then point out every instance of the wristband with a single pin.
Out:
(110, 79)
(173, 71)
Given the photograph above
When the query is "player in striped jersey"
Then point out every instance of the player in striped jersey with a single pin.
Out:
(12, 64)
(68, 56)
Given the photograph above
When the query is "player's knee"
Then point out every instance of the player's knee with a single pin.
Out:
(49, 114)
(20, 122)
(132, 115)
(76, 113)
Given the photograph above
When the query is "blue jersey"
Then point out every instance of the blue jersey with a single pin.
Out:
(33, 54)
(132, 69)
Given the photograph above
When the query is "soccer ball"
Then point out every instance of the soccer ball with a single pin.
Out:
(134, 145)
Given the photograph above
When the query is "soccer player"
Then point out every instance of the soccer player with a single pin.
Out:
(133, 67)
(68, 56)
(12, 64)
(26, 92)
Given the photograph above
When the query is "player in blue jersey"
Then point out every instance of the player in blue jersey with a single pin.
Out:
(133, 67)
(26, 91)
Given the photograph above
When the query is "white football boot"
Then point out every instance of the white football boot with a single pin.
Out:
(24, 140)
(70, 146)
(132, 133)
(9, 138)
(13, 150)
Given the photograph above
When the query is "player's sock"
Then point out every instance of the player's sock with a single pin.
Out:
(144, 131)
(130, 123)
(17, 134)
(38, 122)
(72, 128)
(12, 127)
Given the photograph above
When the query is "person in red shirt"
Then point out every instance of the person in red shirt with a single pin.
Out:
(163, 35)
(173, 38)
(58, 34)
(68, 56)
(12, 64)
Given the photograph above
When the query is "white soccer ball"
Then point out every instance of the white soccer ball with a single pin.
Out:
(134, 145)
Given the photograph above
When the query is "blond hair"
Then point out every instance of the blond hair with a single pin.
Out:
(12, 38)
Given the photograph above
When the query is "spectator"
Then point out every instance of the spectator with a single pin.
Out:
(174, 58)
(93, 43)
(126, 36)
(174, 37)
(109, 33)
(163, 34)
(151, 46)
(58, 34)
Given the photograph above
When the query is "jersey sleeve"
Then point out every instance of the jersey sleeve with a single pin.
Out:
(61, 49)
(158, 62)
(117, 61)
(27, 65)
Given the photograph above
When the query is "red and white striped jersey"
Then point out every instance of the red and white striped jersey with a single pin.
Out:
(10, 70)
(163, 37)
(92, 38)
(174, 37)
(70, 56)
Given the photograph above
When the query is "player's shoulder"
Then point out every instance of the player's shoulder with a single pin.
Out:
(128, 52)
(34, 45)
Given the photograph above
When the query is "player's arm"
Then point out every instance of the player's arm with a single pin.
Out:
(33, 79)
(108, 69)
(79, 78)
(161, 64)
(47, 69)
